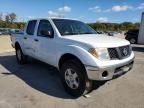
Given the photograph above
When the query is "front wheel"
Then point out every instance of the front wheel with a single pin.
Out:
(74, 78)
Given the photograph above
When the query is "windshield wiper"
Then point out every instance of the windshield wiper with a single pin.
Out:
(86, 33)
(70, 33)
(77, 33)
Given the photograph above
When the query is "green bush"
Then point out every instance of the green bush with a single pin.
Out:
(15, 25)
(114, 26)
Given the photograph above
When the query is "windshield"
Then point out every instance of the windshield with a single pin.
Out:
(72, 27)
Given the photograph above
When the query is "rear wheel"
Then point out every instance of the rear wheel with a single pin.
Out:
(74, 78)
(132, 40)
(21, 58)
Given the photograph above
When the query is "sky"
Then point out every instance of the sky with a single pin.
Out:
(84, 10)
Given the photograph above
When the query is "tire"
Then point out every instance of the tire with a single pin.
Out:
(78, 75)
(133, 41)
(21, 58)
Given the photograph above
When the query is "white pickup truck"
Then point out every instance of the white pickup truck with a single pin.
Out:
(76, 50)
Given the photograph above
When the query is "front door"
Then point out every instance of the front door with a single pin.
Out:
(45, 45)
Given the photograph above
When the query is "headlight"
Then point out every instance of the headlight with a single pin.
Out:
(100, 53)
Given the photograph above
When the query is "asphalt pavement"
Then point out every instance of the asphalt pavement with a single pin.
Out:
(37, 85)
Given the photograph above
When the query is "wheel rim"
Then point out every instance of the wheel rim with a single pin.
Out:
(132, 41)
(19, 54)
(71, 79)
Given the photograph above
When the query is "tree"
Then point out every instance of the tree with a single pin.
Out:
(7, 18)
(1, 16)
(114, 26)
(128, 25)
(137, 25)
(12, 17)
(13, 25)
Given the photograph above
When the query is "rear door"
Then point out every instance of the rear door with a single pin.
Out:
(28, 38)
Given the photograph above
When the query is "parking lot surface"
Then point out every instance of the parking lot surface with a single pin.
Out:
(37, 85)
(5, 44)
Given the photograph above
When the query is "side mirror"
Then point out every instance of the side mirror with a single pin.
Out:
(47, 33)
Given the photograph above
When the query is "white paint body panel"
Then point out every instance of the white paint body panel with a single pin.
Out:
(50, 50)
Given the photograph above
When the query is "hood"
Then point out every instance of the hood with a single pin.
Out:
(97, 40)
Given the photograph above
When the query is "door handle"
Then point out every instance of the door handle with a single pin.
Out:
(36, 40)
(25, 37)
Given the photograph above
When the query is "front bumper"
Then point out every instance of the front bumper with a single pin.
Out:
(109, 72)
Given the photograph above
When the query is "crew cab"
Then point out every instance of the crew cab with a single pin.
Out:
(76, 50)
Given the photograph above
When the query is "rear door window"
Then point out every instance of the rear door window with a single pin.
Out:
(31, 27)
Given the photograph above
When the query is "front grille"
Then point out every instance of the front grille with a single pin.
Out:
(113, 53)
(119, 52)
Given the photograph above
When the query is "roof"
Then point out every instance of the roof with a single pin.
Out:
(51, 18)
